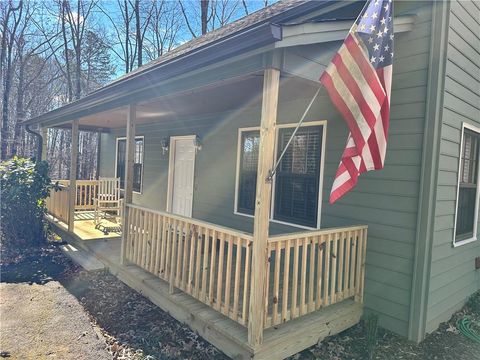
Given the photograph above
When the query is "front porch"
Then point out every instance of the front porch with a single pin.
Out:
(318, 294)
(252, 294)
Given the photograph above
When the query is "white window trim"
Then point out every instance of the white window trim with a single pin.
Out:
(138, 137)
(323, 123)
(477, 201)
(171, 163)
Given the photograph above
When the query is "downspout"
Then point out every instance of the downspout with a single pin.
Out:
(39, 142)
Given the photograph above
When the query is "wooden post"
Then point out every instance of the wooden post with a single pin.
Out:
(44, 133)
(73, 176)
(262, 207)
(129, 155)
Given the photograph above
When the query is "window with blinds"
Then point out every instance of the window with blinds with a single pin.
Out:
(296, 181)
(468, 185)
(250, 142)
(137, 163)
(298, 176)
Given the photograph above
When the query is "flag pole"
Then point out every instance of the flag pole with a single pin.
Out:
(272, 172)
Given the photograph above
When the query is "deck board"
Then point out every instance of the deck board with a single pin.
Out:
(229, 336)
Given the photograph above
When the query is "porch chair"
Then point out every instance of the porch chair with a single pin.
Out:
(108, 201)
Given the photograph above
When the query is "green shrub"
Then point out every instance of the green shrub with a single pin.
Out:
(24, 187)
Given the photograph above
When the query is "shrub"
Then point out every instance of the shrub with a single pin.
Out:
(24, 187)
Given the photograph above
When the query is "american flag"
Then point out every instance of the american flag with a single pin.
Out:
(358, 81)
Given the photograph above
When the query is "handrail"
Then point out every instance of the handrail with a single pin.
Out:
(193, 221)
(319, 232)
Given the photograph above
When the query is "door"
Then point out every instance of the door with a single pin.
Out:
(183, 176)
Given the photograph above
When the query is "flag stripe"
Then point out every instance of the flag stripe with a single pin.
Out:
(358, 81)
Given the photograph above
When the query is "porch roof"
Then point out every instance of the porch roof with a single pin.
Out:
(281, 25)
(249, 33)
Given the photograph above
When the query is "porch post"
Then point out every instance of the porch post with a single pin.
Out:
(73, 176)
(44, 133)
(129, 155)
(262, 207)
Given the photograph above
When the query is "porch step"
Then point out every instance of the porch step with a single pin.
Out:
(82, 258)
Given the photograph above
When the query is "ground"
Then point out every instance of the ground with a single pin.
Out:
(51, 308)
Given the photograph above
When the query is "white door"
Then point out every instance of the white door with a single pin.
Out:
(183, 173)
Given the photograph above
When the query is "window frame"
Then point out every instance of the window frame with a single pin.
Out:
(466, 126)
(322, 123)
(137, 137)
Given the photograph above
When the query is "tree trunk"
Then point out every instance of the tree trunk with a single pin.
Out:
(204, 15)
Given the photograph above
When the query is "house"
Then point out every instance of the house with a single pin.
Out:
(266, 269)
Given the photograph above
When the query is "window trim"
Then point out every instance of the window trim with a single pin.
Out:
(322, 123)
(137, 137)
(477, 200)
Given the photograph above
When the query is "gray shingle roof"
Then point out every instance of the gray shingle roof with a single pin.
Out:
(243, 23)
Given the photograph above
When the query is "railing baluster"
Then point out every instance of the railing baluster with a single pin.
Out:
(173, 255)
(246, 282)
(212, 277)
(276, 284)
(311, 275)
(320, 253)
(236, 289)
(220, 272)
(228, 278)
(333, 279)
(198, 260)
(286, 278)
(205, 262)
(191, 262)
(340, 258)
(303, 287)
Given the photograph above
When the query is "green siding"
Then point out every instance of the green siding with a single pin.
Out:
(453, 277)
(386, 200)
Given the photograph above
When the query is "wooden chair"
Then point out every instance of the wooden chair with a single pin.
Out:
(108, 199)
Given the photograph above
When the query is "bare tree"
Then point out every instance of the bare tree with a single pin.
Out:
(9, 32)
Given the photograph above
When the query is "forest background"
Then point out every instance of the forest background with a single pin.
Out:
(56, 51)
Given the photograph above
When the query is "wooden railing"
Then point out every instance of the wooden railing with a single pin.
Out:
(313, 269)
(207, 261)
(306, 271)
(86, 191)
(57, 203)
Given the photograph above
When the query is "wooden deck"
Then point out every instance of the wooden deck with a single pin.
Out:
(85, 228)
(230, 336)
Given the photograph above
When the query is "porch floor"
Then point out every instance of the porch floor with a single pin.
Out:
(229, 336)
(85, 227)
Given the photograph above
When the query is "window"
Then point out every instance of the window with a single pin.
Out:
(137, 163)
(298, 176)
(468, 185)
(250, 141)
(297, 180)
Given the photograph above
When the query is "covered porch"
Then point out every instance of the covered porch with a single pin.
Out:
(251, 293)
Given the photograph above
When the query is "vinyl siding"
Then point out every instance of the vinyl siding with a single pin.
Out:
(385, 200)
(453, 277)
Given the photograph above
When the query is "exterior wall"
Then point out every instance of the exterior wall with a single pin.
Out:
(386, 200)
(453, 276)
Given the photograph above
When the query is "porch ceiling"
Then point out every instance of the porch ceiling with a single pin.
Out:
(228, 95)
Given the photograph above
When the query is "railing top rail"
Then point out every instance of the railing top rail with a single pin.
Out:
(79, 182)
(301, 234)
(197, 222)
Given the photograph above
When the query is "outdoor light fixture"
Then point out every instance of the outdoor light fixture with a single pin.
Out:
(197, 143)
(165, 142)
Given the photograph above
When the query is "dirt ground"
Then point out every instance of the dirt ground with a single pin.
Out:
(50, 308)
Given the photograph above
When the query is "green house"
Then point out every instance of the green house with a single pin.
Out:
(267, 268)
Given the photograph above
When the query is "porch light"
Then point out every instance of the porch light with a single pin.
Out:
(198, 143)
(165, 142)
